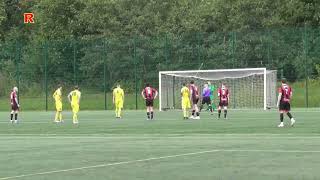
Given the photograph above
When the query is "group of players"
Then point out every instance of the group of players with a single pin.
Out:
(190, 97)
(73, 97)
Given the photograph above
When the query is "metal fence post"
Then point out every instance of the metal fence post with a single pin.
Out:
(233, 66)
(135, 70)
(105, 74)
(199, 49)
(305, 39)
(46, 73)
(74, 63)
(18, 58)
(269, 49)
(166, 51)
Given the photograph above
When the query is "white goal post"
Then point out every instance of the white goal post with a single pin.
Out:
(250, 88)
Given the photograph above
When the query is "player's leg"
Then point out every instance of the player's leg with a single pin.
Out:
(212, 104)
(209, 104)
(119, 112)
(148, 112)
(60, 113)
(219, 110)
(56, 117)
(281, 119)
(11, 116)
(197, 110)
(183, 107)
(116, 110)
(225, 111)
(14, 109)
(193, 109)
(16, 116)
(288, 108)
(75, 110)
(151, 112)
(282, 110)
(120, 106)
(148, 109)
(75, 117)
(186, 106)
(60, 116)
(202, 103)
(291, 118)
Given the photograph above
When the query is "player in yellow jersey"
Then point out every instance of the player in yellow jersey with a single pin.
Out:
(57, 96)
(118, 99)
(185, 101)
(74, 98)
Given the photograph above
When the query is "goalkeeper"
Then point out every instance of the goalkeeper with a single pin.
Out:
(212, 91)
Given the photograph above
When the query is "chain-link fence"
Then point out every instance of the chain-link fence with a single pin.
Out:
(96, 65)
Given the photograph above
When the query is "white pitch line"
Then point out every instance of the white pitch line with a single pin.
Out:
(157, 137)
(25, 122)
(106, 165)
(157, 158)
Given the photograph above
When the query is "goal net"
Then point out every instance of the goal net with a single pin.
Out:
(253, 88)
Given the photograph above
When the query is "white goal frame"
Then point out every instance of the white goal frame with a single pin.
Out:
(217, 70)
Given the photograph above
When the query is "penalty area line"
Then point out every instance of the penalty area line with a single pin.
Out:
(157, 158)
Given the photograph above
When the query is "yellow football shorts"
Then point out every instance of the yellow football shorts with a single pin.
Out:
(59, 106)
(75, 107)
(119, 104)
(185, 103)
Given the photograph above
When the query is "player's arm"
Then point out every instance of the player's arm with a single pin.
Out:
(16, 100)
(11, 99)
(113, 96)
(54, 95)
(79, 98)
(279, 98)
(142, 94)
(69, 97)
(156, 94)
(122, 95)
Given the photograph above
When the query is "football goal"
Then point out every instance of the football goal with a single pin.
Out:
(250, 88)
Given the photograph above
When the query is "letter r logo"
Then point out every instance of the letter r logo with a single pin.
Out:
(28, 18)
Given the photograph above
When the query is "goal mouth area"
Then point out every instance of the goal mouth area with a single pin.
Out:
(253, 88)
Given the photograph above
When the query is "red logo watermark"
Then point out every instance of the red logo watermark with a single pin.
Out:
(28, 18)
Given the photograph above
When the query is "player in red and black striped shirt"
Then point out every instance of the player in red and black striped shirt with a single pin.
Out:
(14, 105)
(224, 96)
(285, 94)
(194, 92)
(149, 94)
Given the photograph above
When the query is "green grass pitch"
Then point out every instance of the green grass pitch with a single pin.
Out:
(246, 146)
